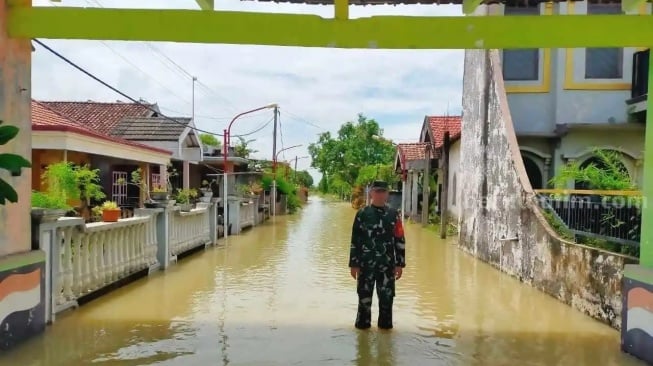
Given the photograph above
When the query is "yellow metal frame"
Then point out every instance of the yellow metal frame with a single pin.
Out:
(566, 192)
(545, 83)
(569, 81)
(386, 32)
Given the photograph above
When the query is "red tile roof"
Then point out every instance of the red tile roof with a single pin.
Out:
(441, 124)
(413, 151)
(45, 119)
(98, 116)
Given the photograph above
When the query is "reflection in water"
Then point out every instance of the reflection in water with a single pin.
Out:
(281, 295)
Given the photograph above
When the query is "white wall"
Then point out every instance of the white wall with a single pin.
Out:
(453, 194)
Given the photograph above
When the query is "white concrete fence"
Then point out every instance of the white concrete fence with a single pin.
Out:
(85, 258)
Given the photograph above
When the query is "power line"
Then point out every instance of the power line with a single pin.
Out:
(122, 93)
(178, 68)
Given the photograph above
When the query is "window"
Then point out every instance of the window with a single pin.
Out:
(521, 64)
(604, 63)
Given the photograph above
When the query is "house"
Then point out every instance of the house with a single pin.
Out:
(410, 163)
(176, 134)
(566, 102)
(57, 138)
(140, 123)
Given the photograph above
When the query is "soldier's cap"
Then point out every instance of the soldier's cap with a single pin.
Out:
(379, 185)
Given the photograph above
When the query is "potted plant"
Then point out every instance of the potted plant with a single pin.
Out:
(48, 208)
(110, 211)
(209, 143)
(207, 190)
(184, 199)
(256, 188)
(159, 193)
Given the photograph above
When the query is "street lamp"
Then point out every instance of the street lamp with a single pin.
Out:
(225, 142)
(295, 159)
(274, 180)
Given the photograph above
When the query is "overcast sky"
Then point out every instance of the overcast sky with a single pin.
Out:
(317, 89)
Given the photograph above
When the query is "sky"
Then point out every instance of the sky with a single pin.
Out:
(317, 90)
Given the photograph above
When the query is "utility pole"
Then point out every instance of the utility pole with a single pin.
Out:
(295, 172)
(274, 163)
(426, 185)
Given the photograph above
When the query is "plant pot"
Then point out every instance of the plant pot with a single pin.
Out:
(207, 193)
(110, 215)
(159, 196)
(205, 199)
(43, 215)
(185, 207)
(151, 205)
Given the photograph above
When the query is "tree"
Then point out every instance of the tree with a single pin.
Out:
(304, 178)
(356, 146)
(209, 140)
(242, 149)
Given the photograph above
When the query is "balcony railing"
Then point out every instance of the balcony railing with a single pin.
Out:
(616, 219)
(639, 87)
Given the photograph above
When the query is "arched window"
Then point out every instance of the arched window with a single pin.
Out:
(601, 165)
(533, 171)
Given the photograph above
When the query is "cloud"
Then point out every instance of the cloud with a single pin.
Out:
(313, 87)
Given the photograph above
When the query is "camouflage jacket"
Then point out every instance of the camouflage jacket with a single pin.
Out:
(377, 239)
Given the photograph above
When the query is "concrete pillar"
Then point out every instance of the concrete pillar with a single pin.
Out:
(17, 259)
(186, 174)
(637, 290)
(163, 174)
(414, 194)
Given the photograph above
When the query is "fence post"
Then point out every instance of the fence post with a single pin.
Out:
(162, 224)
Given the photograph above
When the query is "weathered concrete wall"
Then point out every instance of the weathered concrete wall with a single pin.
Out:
(500, 221)
(15, 99)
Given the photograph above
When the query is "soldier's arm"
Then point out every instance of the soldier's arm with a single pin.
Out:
(356, 242)
(400, 243)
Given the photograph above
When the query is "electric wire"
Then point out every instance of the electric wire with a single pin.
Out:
(89, 74)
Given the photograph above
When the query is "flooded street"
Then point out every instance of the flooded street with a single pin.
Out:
(281, 294)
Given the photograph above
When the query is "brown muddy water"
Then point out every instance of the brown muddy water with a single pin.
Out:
(281, 294)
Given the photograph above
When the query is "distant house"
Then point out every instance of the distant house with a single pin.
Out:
(440, 141)
(176, 134)
(139, 123)
(410, 162)
(442, 134)
(57, 138)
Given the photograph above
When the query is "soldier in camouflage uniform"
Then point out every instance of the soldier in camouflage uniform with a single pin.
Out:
(377, 256)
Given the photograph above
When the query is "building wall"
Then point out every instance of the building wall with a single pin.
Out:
(453, 194)
(500, 220)
(42, 158)
(566, 96)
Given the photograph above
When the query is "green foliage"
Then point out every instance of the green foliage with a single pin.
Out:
(72, 181)
(43, 200)
(242, 149)
(304, 179)
(209, 140)
(357, 154)
(109, 206)
(610, 176)
(186, 195)
(10, 162)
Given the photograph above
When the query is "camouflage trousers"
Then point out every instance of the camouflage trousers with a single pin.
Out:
(385, 291)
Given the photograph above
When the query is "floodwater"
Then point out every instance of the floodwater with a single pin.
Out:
(281, 294)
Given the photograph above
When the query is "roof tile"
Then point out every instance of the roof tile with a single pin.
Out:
(46, 119)
(99, 116)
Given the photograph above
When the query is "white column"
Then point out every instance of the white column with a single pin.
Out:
(414, 194)
(186, 174)
(163, 172)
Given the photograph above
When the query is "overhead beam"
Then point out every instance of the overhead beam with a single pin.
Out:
(387, 32)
